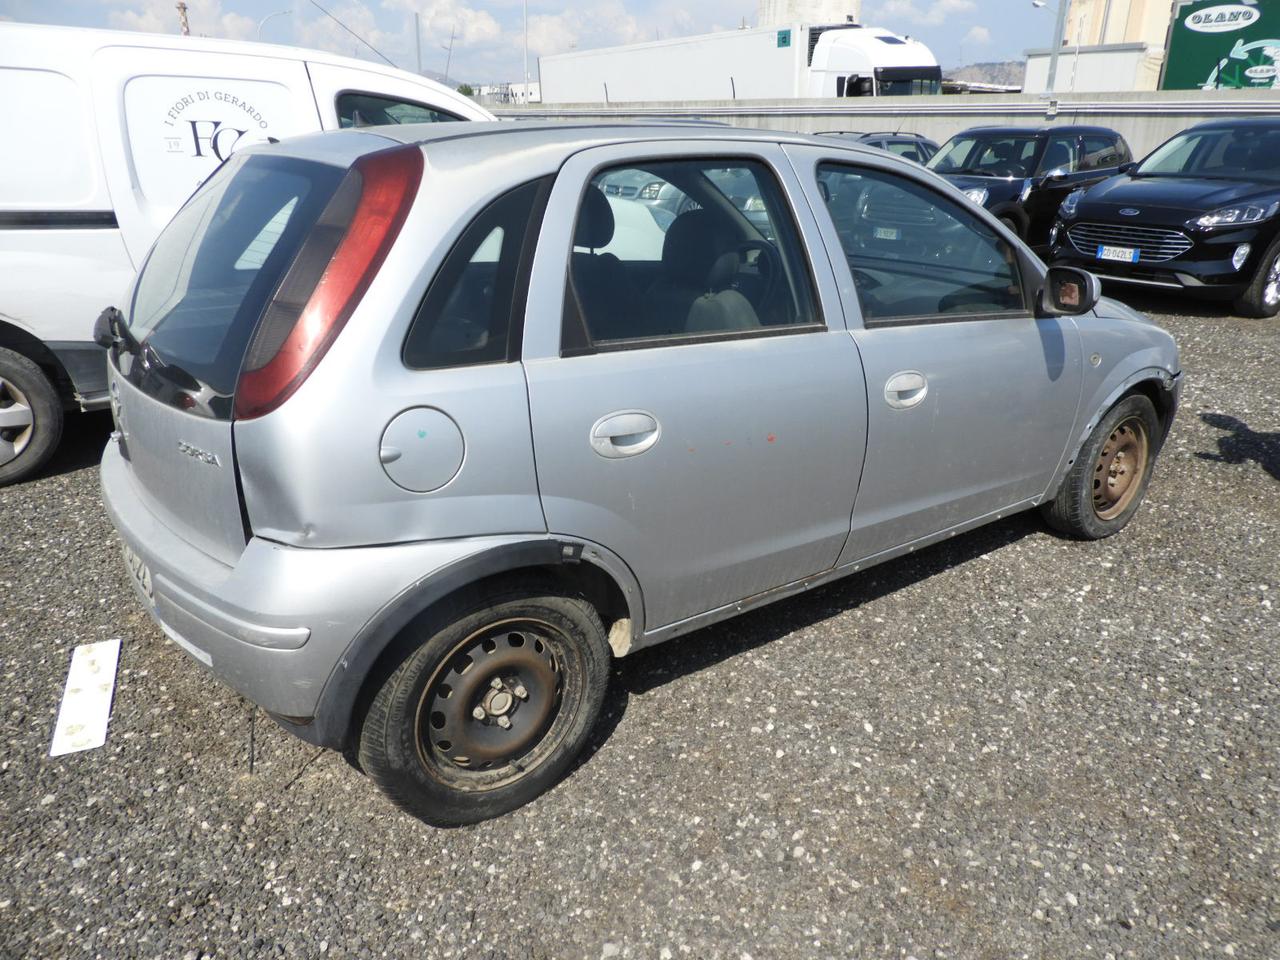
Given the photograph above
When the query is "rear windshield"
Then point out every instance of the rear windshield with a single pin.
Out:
(211, 273)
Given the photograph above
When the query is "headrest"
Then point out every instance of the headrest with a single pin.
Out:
(595, 221)
(723, 271)
(694, 241)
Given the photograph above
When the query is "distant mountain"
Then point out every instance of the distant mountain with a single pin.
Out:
(1009, 72)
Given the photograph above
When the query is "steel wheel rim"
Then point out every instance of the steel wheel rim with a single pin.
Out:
(1118, 472)
(492, 703)
(17, 422)
(1271, 292)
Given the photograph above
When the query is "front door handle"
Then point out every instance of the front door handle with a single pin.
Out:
(624, 434)
(906, 389)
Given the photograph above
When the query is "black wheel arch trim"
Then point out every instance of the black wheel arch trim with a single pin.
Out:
(339, 699)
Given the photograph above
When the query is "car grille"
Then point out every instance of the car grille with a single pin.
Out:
(1154, 244)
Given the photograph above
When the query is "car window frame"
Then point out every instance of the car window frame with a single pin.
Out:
(347, 91)
(1030, 279)
(575, 339)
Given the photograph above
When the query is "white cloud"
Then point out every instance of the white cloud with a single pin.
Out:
(930, 12)
(977, 35)
(206, 17)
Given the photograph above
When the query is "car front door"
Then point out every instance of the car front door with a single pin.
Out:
(697, 405)
(971, 396)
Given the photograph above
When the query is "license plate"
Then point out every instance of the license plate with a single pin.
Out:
(140, 572)
(1123, 254)
(886, 233)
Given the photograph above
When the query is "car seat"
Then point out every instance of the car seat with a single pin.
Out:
(599, 279)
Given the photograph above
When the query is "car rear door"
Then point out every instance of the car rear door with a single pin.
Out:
(971, 397)
(707, 431)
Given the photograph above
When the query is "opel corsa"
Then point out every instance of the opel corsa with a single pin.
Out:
(417, 429)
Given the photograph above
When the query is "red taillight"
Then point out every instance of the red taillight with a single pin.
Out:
(349, 245)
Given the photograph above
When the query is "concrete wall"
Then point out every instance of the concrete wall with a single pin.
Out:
(1145, 119)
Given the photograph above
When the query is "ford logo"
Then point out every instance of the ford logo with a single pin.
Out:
(1225, 18)
(1129, 212)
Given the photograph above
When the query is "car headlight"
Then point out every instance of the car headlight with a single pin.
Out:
(1068, 208)
(1236, 216)
(978, 195)
(650, 191)
(1026, 192)
(1053, 234)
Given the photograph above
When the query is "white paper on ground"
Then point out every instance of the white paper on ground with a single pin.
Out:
(86, 701)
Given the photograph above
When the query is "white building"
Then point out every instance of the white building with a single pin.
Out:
(508, 94)
(773, 13)
(1107, 45)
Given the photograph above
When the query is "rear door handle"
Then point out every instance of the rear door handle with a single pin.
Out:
(906, 389)
(624, 434)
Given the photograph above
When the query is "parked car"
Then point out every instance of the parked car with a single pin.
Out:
(1199, 216)
(1023, 174)
(414, 433)
(107, 133)
(910, 145)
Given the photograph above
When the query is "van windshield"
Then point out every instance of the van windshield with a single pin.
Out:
(211, 273)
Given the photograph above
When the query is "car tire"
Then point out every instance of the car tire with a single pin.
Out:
(1105, 485)
(30, 417)
(1012, 224)
(533, 663)
(1261, 298)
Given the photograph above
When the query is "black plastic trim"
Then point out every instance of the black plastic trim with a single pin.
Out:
(58, 220)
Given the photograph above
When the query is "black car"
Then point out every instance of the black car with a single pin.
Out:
(910, 145)
(1199, 215)
(1022, 174)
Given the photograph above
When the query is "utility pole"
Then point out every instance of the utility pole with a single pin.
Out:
(417, 40)
(182, 19)
(449, 60)
(1058, 31)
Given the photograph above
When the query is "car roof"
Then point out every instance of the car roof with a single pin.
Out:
(1040, 130)
(1232, 122)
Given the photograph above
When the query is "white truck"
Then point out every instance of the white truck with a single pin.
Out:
(106, 133)
(775, 62)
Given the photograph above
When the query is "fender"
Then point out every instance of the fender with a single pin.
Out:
(1106, 397)
(337, 702)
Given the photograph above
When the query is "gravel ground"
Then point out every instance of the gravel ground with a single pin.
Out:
(1006, 746)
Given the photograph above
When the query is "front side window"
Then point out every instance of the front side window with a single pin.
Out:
(914, 255)
(1061, 154)
(466, 316)
(685, 249)
(369, 110)
(987, 155)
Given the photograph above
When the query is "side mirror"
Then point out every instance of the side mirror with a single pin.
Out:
(1127, 168)
(104, 329)
(1069, 292)
(1056, 174)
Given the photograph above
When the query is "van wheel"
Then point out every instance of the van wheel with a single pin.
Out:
(1262, 297)
(1105, 486)
(490, 710)
(30, 417)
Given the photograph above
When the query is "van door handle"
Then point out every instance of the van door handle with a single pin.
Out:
(624, 434)
(906, 389)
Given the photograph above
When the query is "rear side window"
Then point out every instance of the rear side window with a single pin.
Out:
(471, 311)
(368, 110)
(213, 270)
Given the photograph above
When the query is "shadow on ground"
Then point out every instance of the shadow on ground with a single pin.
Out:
(1240, 444)
(83, 437)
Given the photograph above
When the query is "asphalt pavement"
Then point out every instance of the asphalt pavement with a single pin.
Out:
(1010, 745)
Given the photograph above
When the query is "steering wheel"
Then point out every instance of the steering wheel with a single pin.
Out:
(768, 268)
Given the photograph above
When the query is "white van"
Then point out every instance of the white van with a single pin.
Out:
(106, 134)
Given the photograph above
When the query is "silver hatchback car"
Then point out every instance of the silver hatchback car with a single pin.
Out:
(416, 429)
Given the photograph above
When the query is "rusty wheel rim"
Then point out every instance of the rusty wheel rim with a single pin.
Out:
(1121, 466)
(493, 700)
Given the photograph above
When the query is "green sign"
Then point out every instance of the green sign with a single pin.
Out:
(784, 38)
(1223, 46)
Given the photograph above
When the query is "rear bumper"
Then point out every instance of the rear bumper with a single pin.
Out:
(277, 624)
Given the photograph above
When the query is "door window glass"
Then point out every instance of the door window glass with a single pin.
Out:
(1061, 154)
(1099, 152)
(907, 148)
(685, 248)
(914, 254)
(466, 316)
(368, 110)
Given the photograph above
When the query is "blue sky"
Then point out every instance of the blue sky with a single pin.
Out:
(488, 33)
